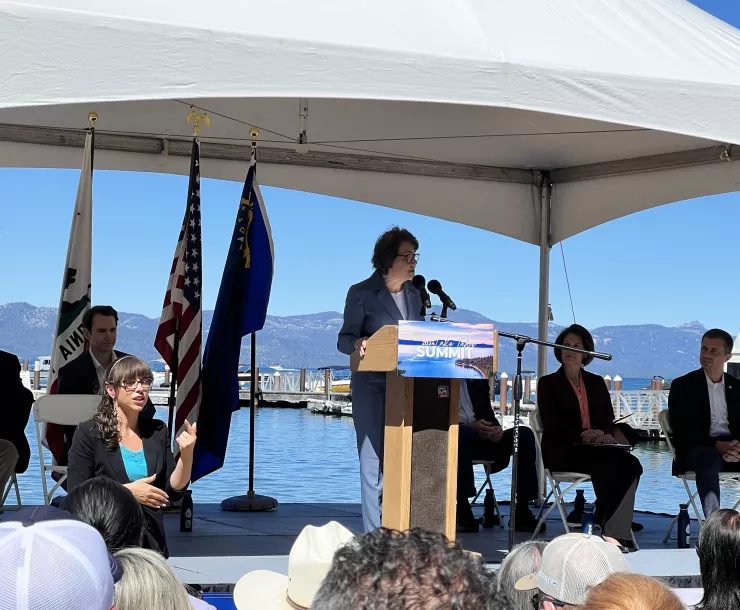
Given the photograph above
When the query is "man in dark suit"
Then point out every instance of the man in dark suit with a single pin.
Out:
(482, 438)
(704, 408)
(86, 373)
(15, 452)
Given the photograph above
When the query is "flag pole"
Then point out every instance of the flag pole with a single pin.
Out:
(173, 381)
(252, 502)
(252, 408)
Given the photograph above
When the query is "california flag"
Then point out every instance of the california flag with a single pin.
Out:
(69, 342)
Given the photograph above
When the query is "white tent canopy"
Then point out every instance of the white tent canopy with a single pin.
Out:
(466, 110)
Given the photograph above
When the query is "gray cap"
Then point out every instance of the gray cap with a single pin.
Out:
(571, 565)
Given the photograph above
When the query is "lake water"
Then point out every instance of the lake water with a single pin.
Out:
(303, 457)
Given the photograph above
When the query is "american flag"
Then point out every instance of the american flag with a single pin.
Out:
(182, 314)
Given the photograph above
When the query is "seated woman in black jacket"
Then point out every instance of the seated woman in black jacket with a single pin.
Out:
(133, 450)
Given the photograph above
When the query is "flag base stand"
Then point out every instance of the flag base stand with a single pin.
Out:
(249, 503)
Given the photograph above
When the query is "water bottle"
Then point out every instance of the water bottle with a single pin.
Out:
(186, 512)
(684, 527)
(576, 516)
(588, 519)
(489, 512)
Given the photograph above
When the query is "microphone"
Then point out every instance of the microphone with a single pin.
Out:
(421, 285)
(436, 288)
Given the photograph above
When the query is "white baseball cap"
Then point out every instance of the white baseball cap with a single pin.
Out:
(57, 564)
(571, 565)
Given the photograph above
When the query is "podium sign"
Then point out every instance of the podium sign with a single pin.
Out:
(453, 350)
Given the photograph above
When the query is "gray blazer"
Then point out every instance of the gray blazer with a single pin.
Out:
(370, 306)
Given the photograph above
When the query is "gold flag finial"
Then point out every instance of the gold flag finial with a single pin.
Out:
(198, 118)
(92, 117)
(254, 132)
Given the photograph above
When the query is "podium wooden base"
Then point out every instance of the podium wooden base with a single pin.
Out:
(420, 456)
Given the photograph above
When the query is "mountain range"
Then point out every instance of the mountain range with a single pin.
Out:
(309, 341)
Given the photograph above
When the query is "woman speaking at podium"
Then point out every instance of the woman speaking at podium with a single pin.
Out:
(386, 297)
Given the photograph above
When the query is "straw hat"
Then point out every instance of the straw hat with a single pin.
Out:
(308, 563)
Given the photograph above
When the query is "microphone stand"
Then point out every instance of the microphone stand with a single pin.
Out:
(521, 342)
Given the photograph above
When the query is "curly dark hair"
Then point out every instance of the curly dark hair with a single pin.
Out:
(413, 570)
(386, 248)
(582, 333)
(128, 368)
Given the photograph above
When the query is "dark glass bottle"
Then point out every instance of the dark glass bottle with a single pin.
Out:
(684, 527)
(489, 512)
(588, 519)
(186, 512)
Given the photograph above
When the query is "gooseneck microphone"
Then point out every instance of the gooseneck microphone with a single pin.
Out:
(436, 288)
(421, 285)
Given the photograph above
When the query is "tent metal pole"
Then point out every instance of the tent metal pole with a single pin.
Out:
(543, 317)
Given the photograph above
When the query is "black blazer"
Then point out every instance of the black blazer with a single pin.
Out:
(90, 457)
(688, 405)
(560, 412)
(80, 377)
(480, 395)
(18, 401)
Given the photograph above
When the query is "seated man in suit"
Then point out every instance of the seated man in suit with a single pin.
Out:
(86, 373)
(15, 452)
(481, 438)
(704, 408)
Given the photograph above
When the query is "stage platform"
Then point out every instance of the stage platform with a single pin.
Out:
(224, 546)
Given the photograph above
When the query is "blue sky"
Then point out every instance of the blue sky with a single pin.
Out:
(668, 265)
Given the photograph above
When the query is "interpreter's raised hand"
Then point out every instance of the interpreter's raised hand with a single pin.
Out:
(361, 346)
(591, 436)
(186, 439)
(147, 494)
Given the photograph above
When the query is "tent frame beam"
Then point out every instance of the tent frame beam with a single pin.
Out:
(180, 146)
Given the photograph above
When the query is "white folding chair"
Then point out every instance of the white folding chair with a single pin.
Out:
(487, 464)
(555, 478)
(63, 410)
(12, 482)
(726, 479)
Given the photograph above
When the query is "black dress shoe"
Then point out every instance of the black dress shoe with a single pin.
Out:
(527, 522)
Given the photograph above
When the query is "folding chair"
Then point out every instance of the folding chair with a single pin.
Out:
(63, 410)
(487, 466)
(555, 478)
(12, 482)
(726, 479)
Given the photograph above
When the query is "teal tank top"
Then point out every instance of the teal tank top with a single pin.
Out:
(135, 463)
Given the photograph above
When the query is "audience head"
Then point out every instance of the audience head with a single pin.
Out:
(100, 327)
(719, 560)
(716, 349)
(308, 563)
(148, 582)
(632, 592)
(390, 570)
(571, 565)
(574, 336)
(394, 253)
(127, 386)
(111, 509)
(524, 558)
(52, 561)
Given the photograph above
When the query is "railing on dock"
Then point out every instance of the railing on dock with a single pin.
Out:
(644, 405)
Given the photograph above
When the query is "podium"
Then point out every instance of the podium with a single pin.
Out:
(421, 428)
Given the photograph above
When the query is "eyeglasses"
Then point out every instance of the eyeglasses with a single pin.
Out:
(410, 258)
(541, 597)
(130, 386)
